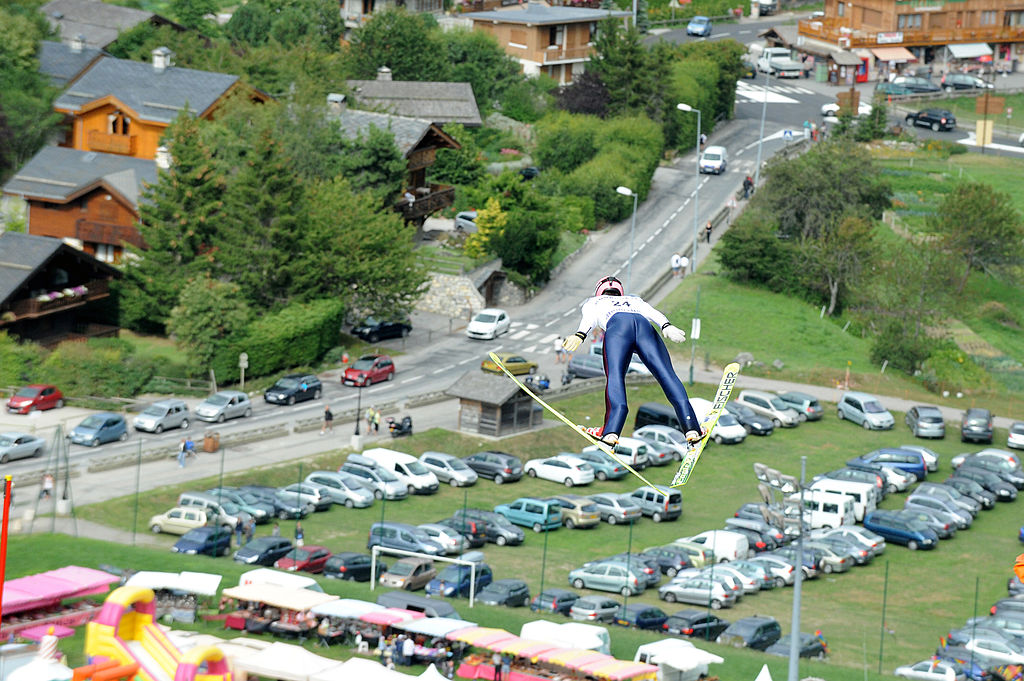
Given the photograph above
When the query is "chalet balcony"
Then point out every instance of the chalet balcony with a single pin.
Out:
(111, 144)
(837, 31)
(54, 301)
(428, 200)
(555, 55)
(107, 233)
(421, 158)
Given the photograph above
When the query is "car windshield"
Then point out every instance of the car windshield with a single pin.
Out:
(779, 404)
(485, 318)
(297, 554)
(712, 156)
(94, 421)
(6, 441)
(371, 321)
(286, 384)
(416, 468)
(1017, 429)
(230, 508)
(452, 573)
(27, 392)
(401, 568)
(197, 534)
(363, 364)
(423, 534)
(386, 475)
(872, 407)
(495, 587)
(250, 498)
(154, 410)
(218, 400)
(728, 420)
(457, 465)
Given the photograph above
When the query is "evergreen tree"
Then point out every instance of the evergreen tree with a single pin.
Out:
(192, 13)
(249, 24)
(643, 22)
(621, 62)
(208, 313)
(181, 214)
(27, 118)
(401, 41)
(373, 164)
(458, 166)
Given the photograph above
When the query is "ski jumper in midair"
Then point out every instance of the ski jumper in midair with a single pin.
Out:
(626, 321)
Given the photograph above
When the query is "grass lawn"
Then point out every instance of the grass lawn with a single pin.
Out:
(923, 602)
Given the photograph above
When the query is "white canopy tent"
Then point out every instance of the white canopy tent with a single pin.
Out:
(286, 662)
(677, 660)
(201, 583)
(361, 669)
(434, 626)
(348, 608)
(586, 636)
(298, 600)
(432, 674)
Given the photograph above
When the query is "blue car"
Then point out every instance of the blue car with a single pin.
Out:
(539, 514)
(699, 26)
(99, 429)
(207, 541)
(893, 528)
(907, 460)
(454, 580)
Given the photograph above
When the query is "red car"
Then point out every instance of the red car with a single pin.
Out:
(369, 369)
(305, 558)
(33, 397)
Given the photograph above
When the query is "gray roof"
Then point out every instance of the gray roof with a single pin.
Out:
(407, 131)
(483, 387)
(99, 22)
(62, 64)
(58, 174)
(22, 255)
(533, 13)
(439, 102)
(153, 95)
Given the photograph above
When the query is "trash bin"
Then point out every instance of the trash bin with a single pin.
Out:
(211, 442)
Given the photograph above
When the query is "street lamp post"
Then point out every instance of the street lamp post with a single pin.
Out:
(760, 137)
(626, 191)
(696, 192)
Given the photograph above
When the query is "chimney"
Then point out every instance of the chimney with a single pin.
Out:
(162, 59)
(383, 73)
(335, 102)
(78, 43)
(163, 157)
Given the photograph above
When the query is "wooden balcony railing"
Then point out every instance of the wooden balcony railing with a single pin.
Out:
(421, 158)
(553, 55)
(108, 233)
(111, 144)
(30, 308)
(427, 200)
(837, 31)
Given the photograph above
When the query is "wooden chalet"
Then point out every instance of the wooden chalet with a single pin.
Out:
(490, 404)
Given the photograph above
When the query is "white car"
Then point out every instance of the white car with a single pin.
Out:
(488, 324)
(727, 430)
(565, 468)
(931, 459)
(930, 670)
(895, 479)
(451, 541)
(831, 110)
(996, 652)
(1015, 437)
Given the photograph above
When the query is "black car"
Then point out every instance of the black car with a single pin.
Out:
(352, 566)
(915, 84)
(752, 422)
(497, 466)
(695, 624)
(263, 551)
(554, 600)
(810, 646)
(936, 119)
(373, 330)
(976, 426)
(208, 541)
(971, 489)
(1006, 471)
(670, 561)
(497, 528)
(752, 632)
(640, 616)
(1003, 490)
(294, 388)
(285, 508)
(475, 531)
(529, 172)
(509, 592)
(964, 81)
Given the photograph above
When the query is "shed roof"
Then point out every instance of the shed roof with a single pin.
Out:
(538, 14)
(408, 132)
(439, 102)
(99, 22)
(483, 387)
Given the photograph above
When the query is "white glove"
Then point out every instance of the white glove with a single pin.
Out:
(572, 342)
(674, 334)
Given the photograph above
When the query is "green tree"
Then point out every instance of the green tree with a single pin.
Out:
(979, 226)
(209, 314)
(403, 42)
(356, 253)
(19, 40)
(180, 218)
(19, 361)
(373, 164)
(566, 141)
(291, 26)
(476, 58)
(249, 24)
(460, 166)
(752, 252)
(192, 13)
(27, 118)
(585, 95)
(490, 223)
(833, 262)
(621, 61)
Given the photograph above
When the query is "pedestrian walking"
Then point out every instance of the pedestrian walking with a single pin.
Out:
(703, 140)
(239, 530)
(182, 453)
(707, 232)
(560, 352)
(368, 415)
(496, 661)
(299, 534)
(408, 650)
(376, 420)
(276, 532)
(46, 490)
(748, 186)
(250, 530)
(328, 420)
(676, 262)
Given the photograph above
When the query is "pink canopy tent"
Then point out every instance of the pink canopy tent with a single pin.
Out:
(48, 589)
(481, 636)
(390, 616)
(618, 670)
(36, 633)
(522, 647)
(572, 658)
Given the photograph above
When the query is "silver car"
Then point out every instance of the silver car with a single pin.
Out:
(227, 404)
(449, 468)
(699, 590)
(925, 421)
(308, 494)
(615, 509)
(343, 488)
(19, 446)
(451, 541)
(594, 609)
(162, 415)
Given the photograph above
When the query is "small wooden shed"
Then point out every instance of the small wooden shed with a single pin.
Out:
(490, 404)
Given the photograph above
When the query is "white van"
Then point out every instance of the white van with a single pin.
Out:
(287, 580)
(725, 545)
(825, 509)
(863, 494)
(630, 449)
(726, 430)
(406, 467)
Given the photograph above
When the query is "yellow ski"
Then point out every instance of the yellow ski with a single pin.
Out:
(732, 371)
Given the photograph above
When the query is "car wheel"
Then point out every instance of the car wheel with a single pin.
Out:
(498, 479)
(500, 540)
(291, 400)
(839, 414)
(827, 568)
(949, 88)
(95, 443)
(866, 424)
(220, 418)
(671, 572)
(777, 423)
(225, 551)
(533, 370)
(910, 120)
(282, 514)
(718, 440)
(537, 528)
(577, 583)
(625, 591)
(410, 489)
(611, 520)
(5, 458)
(656, 517)
(155, 529)
(391, 376)
(124, 436)
(780, 582)
(716, 605)
(802, 417)
(532, 473)
(568, 482)
(349, 503)
(316, 395)
(184, 424)
(453, 482)
(35, 455)
(60, 403)
(891, 489)
(373, 338)
(820, 655)
(159, 429)
(248, 412)
(747, 428)
(935, 127)
(377, 494)
(912, 545)
(602, 476)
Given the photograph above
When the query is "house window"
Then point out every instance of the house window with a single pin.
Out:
(117, 123)
(841, 7)
(908, 21)
(1013, 18)
(105, 252)
(556, 36)
(593, 32)
(988, 17)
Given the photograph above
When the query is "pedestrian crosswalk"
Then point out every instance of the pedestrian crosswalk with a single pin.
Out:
(531, 337)
(777, 92)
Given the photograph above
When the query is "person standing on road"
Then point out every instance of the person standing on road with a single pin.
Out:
(676, 262)
(376, 420)
(559, 351)
(299, 534)
(707, 232)
(47, 487)
(328, 420)
(368, 416)
(748, 186)
(182, 453)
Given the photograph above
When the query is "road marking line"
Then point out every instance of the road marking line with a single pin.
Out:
(468, 359)
(531, 327)
(547, 339)
(532, 348)
(553, 321)
(519, 334)
(411, 379)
